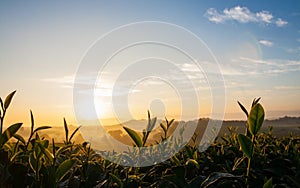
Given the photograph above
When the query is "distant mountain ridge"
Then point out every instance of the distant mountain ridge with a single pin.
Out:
(281, 127)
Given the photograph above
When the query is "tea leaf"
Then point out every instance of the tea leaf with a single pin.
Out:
(63, 169)
(9, 132)
(255, 101)
(243, 108)
(170, 123)
(116, 180)
(74, 132)
(238, 162)
(66, 130)
(62, 149)
(153, 121)
(1, 103)
(215, 177)
(20, 138)
(32, 121)
(134, 136)
(175, 160)
(46, 152)
(32, 162)
(256, 118)
(246, 145)
(193, 162)
(163, 127)
(41, 128)
(268, 183)
(8, 99)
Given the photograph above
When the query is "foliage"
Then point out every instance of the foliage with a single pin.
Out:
(37, 162)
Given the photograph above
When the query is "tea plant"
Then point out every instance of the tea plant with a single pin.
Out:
(252, 159)
(254, 123)
(140, 141)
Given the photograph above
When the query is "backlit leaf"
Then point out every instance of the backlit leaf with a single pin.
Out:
(32, 121)
(170, 123)
(163, 127)
(134, 136)
(8, 99)
(63, 169)
(243, 108)
(192, 162)
(255, 101)
(9, 132)
(42, 128)
(246, 145)
(66, 130)
(20, 138)
(1, 103)
(46, 152)
(74, 132)
(256, 118)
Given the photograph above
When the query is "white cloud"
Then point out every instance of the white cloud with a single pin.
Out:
(287, 88)
(264, 16)
(213, 15)
(244, 66)
(64, 81)
(266, 43)
(281, 22)
(190, 67)
(267, 67)
(242, 15)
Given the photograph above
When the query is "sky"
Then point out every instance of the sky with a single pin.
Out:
(253, 45)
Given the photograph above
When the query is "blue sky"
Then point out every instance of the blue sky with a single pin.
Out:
(257, 44)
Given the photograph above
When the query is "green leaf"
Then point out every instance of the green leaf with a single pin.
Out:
(1, 103)
(63, 169)
(66, 130)
(170, 123)
(41, 128)
(134, 136)
(32, 162)
(62, 149)
(46, 152)
(246, 145)
(9, 132)
(215, 177)
(268, 183)
(12, 158)
(189, 151)
(74, 132)
(8, 99)
(255, 101)
(256, 118)
(32, 121)
(116, 180)
(153, 121)
(20, 138)
(238, 162)
(243, 108)
(175, 160)
(163, 127)
(53, 150)
(192, 162)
